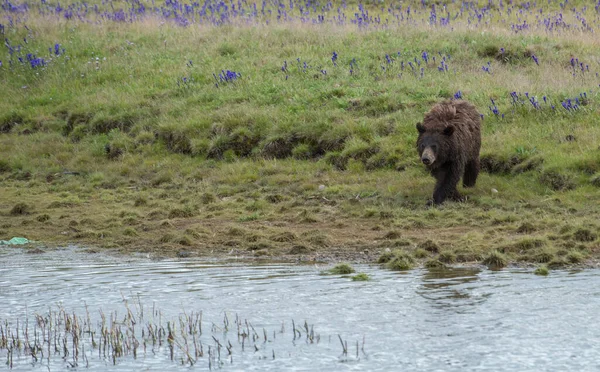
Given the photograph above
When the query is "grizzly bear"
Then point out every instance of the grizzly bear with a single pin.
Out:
(448, 144)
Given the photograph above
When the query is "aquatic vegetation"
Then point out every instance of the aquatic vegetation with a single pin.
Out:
(401, 261)
(361, 277)
(114, 338)
(435, 264)
(341, 269)
(542, 271)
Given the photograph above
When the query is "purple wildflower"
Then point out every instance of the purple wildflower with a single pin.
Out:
(534, 102)
(569, 106)
(535, 59)
(515, 97)
(494, 108)
(487, 68)
(443, 67)
(227, 76)
(334, 58)
(57, 50)
(184, 82)
(458, 95)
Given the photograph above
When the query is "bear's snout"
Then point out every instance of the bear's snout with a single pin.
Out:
(428, 156)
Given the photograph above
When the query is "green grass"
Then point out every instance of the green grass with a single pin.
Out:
(495, 260)
(401, 261)
(361, 277)
(110, 125)
(542, 271)
(341, 269)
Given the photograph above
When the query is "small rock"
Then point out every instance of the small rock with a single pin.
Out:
(494, 191)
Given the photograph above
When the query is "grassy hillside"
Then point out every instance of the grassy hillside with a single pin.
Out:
(289, 128)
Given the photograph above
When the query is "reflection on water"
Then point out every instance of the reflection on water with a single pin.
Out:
(451, 289)
(453, 320)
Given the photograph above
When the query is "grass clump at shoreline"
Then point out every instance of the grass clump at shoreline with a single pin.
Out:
(495, 260)
(399, 261)
(341, 269)
(542, 271)
(361, 277)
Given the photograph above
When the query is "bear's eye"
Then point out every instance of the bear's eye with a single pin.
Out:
(434, 148)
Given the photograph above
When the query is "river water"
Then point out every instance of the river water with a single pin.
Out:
(464, 319)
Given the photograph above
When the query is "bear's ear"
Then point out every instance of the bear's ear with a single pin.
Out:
(449, 130)
(420, 128)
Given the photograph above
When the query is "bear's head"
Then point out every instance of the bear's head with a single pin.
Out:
(432, 143)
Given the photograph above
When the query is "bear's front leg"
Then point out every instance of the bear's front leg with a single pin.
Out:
(445, 187)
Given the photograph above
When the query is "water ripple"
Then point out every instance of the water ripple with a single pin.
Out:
(454, 320)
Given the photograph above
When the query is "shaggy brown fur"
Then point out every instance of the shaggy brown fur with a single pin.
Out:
(448, 144)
